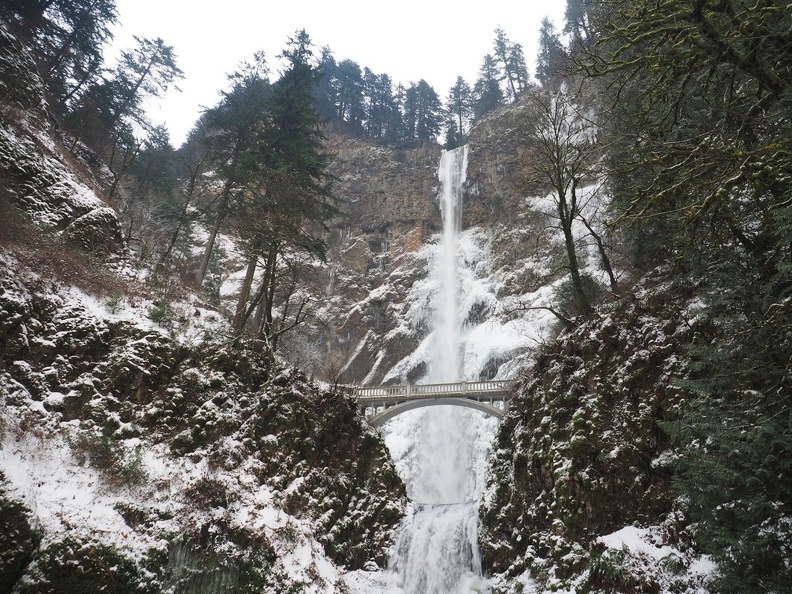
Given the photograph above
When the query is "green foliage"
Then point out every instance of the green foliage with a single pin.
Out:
(460, 113)
(146, 71)
(511, 62)
(607, 570)
(711, 112)
(551, 59)
(567, 301)
(154, 170)
(18, 539)
(162, 313)
(67, 38)
(487, 93)
(115, 302)
(734, 473)
(423, 113)
(189, 567)
(72, 566)
(700, 161)
(673, 563)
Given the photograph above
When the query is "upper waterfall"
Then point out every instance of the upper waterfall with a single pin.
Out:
(446, 361)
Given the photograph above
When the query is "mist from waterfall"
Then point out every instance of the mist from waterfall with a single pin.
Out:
(436, 548)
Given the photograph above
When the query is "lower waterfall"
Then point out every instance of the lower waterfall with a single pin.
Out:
(436, 547)
(436, 550)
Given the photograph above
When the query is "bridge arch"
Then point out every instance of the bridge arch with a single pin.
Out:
(390, 400)
(382, 417)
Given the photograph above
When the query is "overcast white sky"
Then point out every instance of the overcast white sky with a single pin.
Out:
(436, 40)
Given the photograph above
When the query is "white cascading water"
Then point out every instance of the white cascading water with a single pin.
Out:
(436, 548)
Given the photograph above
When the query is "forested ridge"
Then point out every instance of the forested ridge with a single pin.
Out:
(661, 133)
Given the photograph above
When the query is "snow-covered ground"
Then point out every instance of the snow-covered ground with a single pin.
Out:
(66, 495)
(149, 495)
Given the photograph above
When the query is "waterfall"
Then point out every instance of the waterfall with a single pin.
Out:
(445, 366)
(436, 548)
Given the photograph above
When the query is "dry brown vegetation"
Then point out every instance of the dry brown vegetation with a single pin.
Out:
(55, 259)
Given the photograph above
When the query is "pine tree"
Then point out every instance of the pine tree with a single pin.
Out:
(148, 70)
(510, 59)
(288, 205)
(550, 60)
(349, 94)
(232, 132)
(423, 112)
(577, 23)
(381, 107)
(68, 37)
(487, 94)
(460, 109)
(326, 92)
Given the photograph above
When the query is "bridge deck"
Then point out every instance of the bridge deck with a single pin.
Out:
(494, 390)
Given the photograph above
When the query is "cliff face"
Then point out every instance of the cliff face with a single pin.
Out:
(367, 325)
(53, 186)
(385, 191)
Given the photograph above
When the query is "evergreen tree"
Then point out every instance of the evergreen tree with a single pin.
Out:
(382, 112)
(326, 92)
(154, 170)
(511, 62)
(349, 94)
(460, 110)
(68, 37)
(146, 71)
(423, 112)
(551, 56)
(231, 132)
(519, 69)
(487, 93)
(577, 23)
(397, 122)
(289, 203)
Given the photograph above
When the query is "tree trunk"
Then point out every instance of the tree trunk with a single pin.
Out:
(269, 288)
(240, 316)
(567, 211)
(182, 216)
(574, 270)
(606, 265)
(221, 214)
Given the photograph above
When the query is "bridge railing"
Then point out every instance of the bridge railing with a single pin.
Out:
(410, 391)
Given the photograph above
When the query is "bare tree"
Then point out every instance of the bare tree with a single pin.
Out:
(565, 158)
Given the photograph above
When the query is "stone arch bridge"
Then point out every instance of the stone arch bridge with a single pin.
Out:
(379, 404)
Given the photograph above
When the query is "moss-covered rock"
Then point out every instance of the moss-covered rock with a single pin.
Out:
(18, 539)
(581, 451)
(77, 566)
(118, 386)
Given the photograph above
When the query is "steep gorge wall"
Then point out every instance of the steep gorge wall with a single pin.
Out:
(379, 247)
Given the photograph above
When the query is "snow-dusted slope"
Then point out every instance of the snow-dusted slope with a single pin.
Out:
(146, 461)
